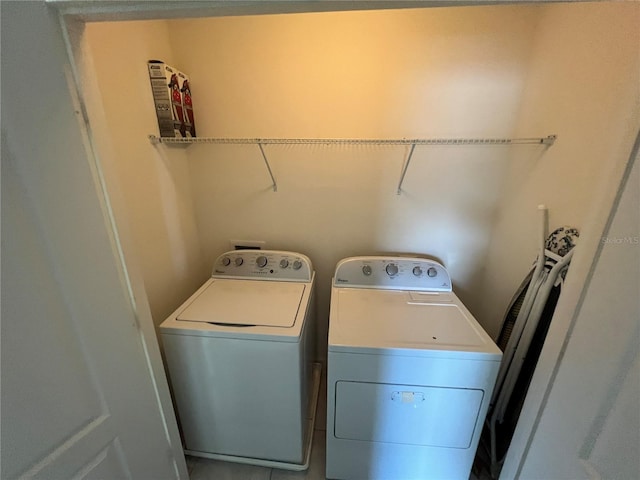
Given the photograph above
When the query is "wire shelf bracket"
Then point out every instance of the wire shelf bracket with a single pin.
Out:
(266, 162)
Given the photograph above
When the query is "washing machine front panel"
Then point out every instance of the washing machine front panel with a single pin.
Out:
(239, 397)
(246, 302)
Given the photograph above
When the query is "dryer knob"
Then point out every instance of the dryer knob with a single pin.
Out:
(226, 261)
(284, 263)
(239, 261)
(261, 261)
(417, 271)
(297, 265)
(392, 269)
(432, 272)
(366, 270)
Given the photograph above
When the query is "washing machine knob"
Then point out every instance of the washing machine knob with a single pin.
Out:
(239, 261)
(226, 261)
(366, 270)
(297, 265)
(284, 263)
(417, 271)
(392, 269)
(261, 261)
(432, 272)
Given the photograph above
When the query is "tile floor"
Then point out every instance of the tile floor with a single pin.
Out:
(206, 469)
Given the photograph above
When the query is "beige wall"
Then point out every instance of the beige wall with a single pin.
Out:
(454, 72)
(150, 190)
(583, 83)
(392, 74)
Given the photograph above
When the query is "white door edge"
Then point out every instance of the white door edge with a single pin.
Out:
(568, 308)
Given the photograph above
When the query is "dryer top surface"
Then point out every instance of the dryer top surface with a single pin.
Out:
(405, 323)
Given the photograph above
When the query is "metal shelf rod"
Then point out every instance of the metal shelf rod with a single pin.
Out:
(404, 169)
(266, 162)
(549, 140)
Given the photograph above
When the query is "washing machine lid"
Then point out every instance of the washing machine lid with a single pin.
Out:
(405, 323)
(245, 303)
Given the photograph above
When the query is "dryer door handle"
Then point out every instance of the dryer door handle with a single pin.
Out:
(405, 397)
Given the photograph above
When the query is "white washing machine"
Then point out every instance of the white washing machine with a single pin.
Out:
(239, 353)
(410, 373)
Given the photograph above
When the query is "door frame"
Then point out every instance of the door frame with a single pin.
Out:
(73, 14)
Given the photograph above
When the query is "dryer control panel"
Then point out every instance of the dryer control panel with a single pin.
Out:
(396, 273)
(263, 265)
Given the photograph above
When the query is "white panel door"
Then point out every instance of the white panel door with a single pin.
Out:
(590, 426)
(81, 393)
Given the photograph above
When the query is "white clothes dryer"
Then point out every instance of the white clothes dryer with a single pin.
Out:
(239, 354)
(410, 373)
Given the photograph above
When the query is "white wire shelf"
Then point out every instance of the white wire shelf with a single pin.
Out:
(548, 140)
(413, 142)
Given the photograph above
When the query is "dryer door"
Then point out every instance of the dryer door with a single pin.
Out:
(406, 414)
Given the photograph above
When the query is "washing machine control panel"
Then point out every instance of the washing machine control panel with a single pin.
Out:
(264, 264)
(397, 273)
